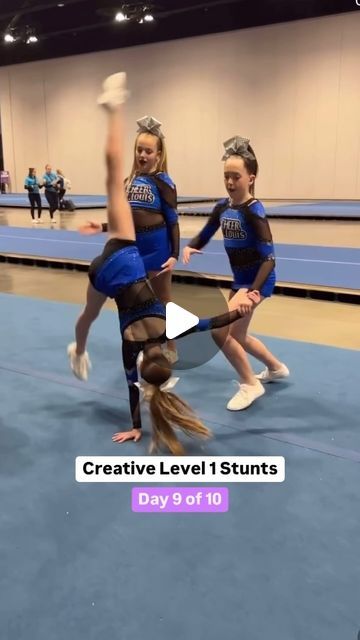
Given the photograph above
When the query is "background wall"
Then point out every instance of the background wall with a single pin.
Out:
(293, 89)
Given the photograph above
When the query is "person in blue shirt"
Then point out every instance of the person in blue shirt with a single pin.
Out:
(33, 186)
(51, 183)
(119, 273)
(153, 200)
(249, 246)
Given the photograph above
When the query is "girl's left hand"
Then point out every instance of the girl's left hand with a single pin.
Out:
(169, 264)
(242, 302)
(254, 296)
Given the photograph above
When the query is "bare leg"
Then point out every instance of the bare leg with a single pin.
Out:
(232, 348)
(236, 355)
(119, 215)
(252, 345)
(78, 357)
(250, 388)
(120, 220)
(94, 303)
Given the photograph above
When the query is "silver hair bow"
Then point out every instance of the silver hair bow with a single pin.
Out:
(147, 390)
(148, 124)
(235, 146)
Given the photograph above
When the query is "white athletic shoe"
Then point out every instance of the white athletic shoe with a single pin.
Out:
(170, 355)
(246, 395)
(80, 365)
(270, 376)
(114, 91)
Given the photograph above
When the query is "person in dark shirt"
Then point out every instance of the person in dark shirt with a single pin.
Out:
(249, 246)
(33, 186)
(51, 183)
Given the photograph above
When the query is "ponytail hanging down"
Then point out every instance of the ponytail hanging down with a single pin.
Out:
(166, 410)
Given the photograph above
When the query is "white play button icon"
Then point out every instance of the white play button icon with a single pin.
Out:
(178, 320)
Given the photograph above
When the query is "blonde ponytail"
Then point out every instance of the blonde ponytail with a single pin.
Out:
(166, 410)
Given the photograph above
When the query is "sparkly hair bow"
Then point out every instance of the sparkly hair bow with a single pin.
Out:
(147, 389)
(235, 146)
(148, 124)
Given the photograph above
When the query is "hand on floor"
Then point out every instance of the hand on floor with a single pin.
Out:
(122, 436)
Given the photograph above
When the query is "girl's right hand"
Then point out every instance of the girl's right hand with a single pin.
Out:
(90, 228)
(187, 253)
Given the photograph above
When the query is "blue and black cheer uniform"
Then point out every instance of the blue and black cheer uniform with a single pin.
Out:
(248, 243)
(119, 273)
(153, 202)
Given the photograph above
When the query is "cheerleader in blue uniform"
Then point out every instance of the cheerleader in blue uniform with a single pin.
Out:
(119, 273)
(153, 200)
(249, 246)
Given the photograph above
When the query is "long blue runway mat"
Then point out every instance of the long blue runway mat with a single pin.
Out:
(333, 209)
(313, 210)
(312, 265)
(81, 201)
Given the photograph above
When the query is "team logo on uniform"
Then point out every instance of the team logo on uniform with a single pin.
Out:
(141, 193)
(232, 229)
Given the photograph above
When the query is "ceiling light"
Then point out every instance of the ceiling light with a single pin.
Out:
(148, 17)
(120, 17)
(9, 38)
(31, 39)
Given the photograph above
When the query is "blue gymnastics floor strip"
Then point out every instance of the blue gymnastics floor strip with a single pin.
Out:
(349, 209)
(322, 210)
(311, 265)
(81, 201)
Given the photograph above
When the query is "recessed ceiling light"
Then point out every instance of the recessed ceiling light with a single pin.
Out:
(120, 17)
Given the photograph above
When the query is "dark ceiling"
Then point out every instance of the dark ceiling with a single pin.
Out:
(81, 26)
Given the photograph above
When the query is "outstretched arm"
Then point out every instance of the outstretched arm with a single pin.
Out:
(245, 303)
(207, 232)
(130, 352)
(208, 324)
(204, 236)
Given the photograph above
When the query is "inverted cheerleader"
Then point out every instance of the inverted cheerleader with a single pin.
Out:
(119, 273)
